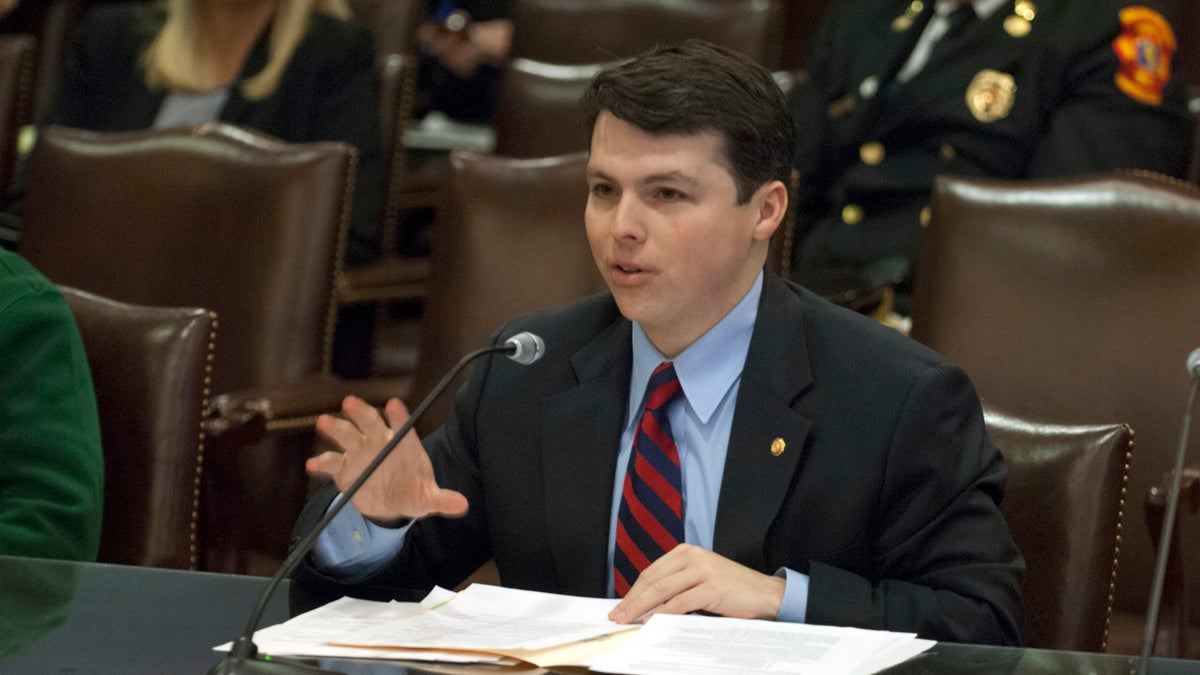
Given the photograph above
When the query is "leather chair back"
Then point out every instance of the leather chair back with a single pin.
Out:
(150, 369)
(222, 218)
(51, 26)
(591, 31)
(215, 216)
(511, 241)
(1072, 300)
(1063, 502)
(537, 108)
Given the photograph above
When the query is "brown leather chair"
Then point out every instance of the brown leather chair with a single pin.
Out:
(228, 219)
(537, 108)
(394, 24)
(51, 25)
(590, 31)
(393, 277)
(1072, 300)
(1064, 502)
(511, 241)
(150, 369)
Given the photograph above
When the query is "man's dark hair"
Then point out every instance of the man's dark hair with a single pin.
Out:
(693, 86)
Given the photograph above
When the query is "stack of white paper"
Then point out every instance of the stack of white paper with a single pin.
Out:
(487, 624)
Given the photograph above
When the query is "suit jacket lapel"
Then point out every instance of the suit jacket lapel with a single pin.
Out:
(756, 479)
(581, 429)
(881, 59)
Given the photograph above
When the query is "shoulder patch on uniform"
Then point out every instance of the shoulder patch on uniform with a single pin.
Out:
(1144, 50)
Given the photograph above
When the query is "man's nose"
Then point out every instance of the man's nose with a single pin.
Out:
(629, 218)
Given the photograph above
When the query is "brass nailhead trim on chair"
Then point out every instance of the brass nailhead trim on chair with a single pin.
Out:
(1112, 579)
(1160, 178)
(339, 256)
(292, 423)
(193, 530)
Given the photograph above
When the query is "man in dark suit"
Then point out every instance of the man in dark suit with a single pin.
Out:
(903, 90)
(790, 460)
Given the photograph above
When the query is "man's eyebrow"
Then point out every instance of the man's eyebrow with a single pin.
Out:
(664, 177)
(669, 177)
(597, 173)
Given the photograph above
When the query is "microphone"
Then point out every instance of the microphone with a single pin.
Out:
(244, 659)
(1168, 526)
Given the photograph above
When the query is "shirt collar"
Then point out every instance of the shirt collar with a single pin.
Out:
(983, 8)
(709, 366)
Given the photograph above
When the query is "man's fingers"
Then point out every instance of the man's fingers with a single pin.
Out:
(341, 432)
(364, 417)
(397, 413)
(448, 503)
(657, 584)
(324, 464)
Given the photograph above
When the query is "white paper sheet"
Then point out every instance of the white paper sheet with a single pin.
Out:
(489, 617)
(309, 634)
(691, 645)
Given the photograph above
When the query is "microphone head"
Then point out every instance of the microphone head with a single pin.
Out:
(525, 348)
(1193, 363)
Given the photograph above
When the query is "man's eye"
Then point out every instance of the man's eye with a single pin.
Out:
(602, 190)
(670, 194)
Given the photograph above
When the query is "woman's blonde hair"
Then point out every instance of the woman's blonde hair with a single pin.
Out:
(170, 60)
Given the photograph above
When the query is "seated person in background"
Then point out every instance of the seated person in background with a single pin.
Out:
(463, 47)
(52, 475)
(293, 69)
(705, 437)
(904, 90)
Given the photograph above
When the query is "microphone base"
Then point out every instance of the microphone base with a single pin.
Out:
(231, 665)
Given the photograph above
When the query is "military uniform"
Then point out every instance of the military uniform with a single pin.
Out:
(1036, 89)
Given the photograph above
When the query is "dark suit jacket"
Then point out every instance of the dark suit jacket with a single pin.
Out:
(328, 92)
(886, 493)
(1067, 117)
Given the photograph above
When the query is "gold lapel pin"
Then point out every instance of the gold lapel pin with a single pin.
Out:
(777, 447)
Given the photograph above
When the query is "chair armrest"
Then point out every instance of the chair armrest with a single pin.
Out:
(391, 278)
(1172, 635)
(250, 414)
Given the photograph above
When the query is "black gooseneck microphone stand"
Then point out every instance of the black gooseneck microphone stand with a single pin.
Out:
(243, 658)
(1168, 526)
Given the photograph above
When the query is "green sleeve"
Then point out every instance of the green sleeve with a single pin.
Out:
(51, 465)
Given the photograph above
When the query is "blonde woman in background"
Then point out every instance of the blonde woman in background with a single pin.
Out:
(293, 69)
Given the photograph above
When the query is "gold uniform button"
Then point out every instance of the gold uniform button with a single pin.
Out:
(1017, 26)
(926, 216)
(852, 214)
(872, 153)
(948, 153)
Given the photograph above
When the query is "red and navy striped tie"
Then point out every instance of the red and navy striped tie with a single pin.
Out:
(650, 518)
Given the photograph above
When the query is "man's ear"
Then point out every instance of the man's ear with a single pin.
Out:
(771, 200)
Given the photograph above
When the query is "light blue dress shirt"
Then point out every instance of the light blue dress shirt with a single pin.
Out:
(710, 374)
